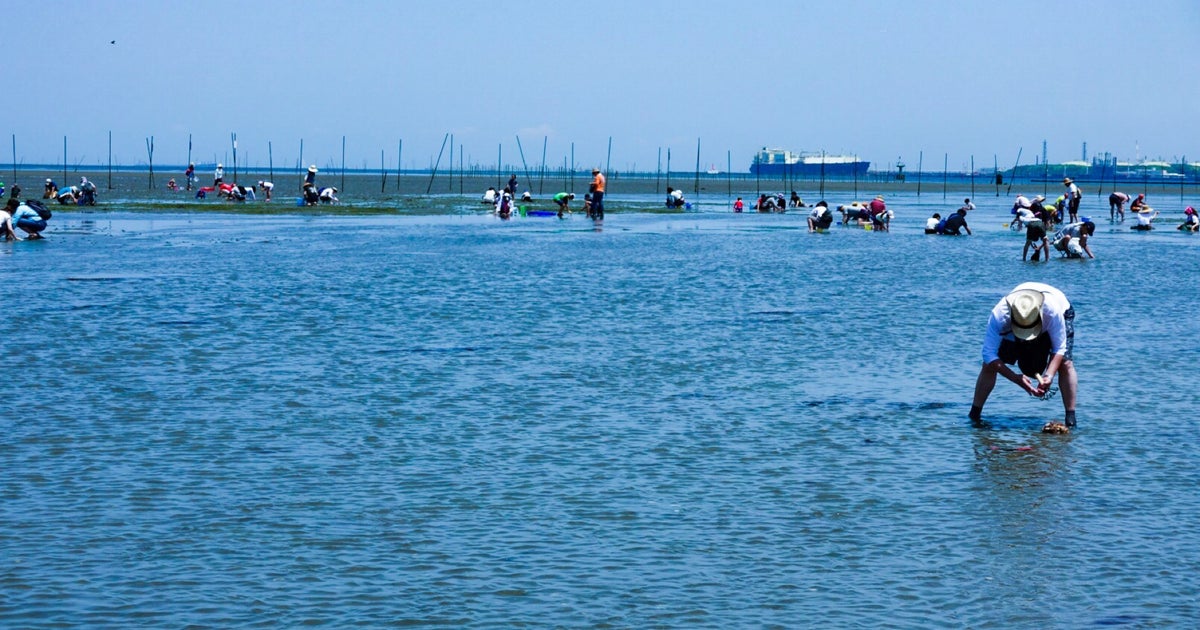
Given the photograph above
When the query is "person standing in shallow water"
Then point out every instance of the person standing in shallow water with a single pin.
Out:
(597, 191)
(1074, 196)
(1033, 327)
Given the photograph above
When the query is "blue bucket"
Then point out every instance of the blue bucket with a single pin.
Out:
(299, 201)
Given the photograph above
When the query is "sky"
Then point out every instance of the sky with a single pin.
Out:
(885, 80)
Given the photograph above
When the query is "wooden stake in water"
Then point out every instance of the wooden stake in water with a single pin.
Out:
(1014, 172)
(608, 163)
(728, 173)
(668, 167)
(189, 179)
(433, 173)
(822, 173)
(658, 172)
(542, 179)
(996, 173)
(856, 175)
(920, 166)
(233, 141)
(528, 181)
(150, 159)
(382, 173)
(945, 173)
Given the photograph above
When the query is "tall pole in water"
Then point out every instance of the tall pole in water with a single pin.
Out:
(542, 179)
(856, 176)
(382, 173)
(189, 179)
(822, 172)
(996, 173)
(945, 173)
(668, 167)
(1014, 173)
(524, 165)
(920, 165)
(729, 173)
(233, 139)
(433, 173)
(150, 159)
(608, 160)
(658, 172)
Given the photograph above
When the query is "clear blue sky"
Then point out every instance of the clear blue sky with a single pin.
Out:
(880, 79)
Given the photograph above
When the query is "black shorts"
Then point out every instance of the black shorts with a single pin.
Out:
(1035, 231)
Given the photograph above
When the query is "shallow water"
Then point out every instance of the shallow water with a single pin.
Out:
(707, 419)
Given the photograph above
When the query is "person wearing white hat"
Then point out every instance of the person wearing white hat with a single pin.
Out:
(266, 188)
(310, 179)
(51, 190)
(1074, 196)
(218, 176)
(1033, 327)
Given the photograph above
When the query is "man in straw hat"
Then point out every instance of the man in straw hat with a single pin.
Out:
(1033, 327)
(1074, 196)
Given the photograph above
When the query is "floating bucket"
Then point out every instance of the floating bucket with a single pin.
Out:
(299, 201)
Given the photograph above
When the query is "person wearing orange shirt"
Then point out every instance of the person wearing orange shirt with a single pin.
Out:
(597, 190)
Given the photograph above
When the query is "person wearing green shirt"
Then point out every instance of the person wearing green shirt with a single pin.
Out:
(563, 199)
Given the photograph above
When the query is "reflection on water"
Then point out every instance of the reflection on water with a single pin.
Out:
(704, 419)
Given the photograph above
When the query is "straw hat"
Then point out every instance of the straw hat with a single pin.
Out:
(879, 197)
(312, 169)
(1067, 180)
(595, 170)
(1025, 307)
(1040, 198)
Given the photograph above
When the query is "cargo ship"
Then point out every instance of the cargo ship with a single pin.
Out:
(778, 162)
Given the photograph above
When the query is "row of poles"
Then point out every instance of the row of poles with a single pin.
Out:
(448, 138)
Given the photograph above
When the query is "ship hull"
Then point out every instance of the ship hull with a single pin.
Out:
(808, 169)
